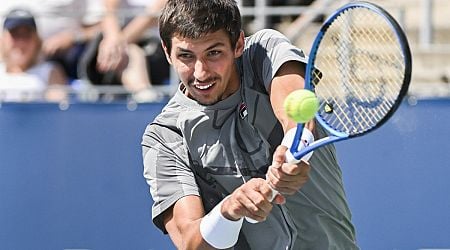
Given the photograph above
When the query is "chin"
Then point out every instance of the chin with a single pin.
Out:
(207, 102)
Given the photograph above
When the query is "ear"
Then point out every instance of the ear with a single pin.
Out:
(239, 48)
(166, 52)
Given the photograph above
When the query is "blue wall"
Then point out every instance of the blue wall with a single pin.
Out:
(73, 178)
(398, 179)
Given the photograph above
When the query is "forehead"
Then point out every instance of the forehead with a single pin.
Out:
(207, 41)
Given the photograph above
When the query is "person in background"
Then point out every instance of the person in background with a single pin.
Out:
(117, 55)
(65, 28)
(24, 75)
(70, 33)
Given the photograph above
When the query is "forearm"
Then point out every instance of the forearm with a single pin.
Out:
(182, 222)
(84, 33)
(188, 236)
(110, 22)
(190, 228)
(134, 30)
(289, 77)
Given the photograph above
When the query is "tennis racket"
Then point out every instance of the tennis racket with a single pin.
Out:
(359, 68)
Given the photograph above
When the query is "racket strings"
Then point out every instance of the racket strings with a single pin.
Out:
(361, 71)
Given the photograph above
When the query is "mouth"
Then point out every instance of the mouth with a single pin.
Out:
(204, 85)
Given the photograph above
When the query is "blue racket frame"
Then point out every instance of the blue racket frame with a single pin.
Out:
(335, 136)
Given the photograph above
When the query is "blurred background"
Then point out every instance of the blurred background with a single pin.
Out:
(73, 110)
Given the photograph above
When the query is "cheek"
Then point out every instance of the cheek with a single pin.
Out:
(35, 48)
(184, 71)
(221, 68)
(6, 43)
(28, 51)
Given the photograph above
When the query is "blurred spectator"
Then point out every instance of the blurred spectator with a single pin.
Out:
(67, 43)
(24, 76)
(128, 51)
(64, 26)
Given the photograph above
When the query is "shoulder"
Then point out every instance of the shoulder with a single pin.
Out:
(265, 52)
(269, 43)
(164, 127)
(265, 35)
(268, 33)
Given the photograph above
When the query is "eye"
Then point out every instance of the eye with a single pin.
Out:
(214, 53)
(185, 56)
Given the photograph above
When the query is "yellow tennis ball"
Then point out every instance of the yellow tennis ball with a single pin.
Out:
(301, 105)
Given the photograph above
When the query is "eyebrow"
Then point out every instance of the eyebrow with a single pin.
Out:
(218, 44)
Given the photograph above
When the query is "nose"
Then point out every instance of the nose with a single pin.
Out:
(200, 70)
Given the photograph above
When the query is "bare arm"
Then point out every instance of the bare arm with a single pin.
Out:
(290, 77)
(284, 177)
(112, 48)
(183, 220)
(134, 30)
(110, 23)
(65, 39)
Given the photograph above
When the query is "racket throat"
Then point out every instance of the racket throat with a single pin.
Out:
(316, 144)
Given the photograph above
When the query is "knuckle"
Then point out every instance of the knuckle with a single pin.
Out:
(259, 201)
(236, 210)
(275, 182)
(239, 193)
(253, 209)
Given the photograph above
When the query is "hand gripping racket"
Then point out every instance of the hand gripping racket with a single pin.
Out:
(359, 68)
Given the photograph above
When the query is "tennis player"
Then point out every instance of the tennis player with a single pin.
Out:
(208, 154)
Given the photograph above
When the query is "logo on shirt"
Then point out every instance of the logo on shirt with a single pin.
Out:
(243, 110)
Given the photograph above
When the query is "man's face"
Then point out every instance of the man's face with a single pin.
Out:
(206, 66)
(20, 46)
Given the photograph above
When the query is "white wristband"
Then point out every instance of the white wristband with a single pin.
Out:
(306, 139)
(217, 230)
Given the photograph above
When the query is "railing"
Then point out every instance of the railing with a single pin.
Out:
(427, 26)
